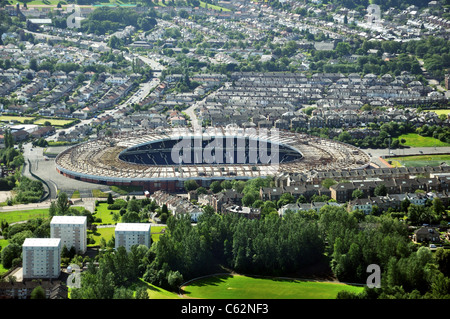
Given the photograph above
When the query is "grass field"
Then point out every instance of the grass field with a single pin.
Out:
(53, 122)
(99, 194)
(420, 160)
(155, 292)
(21, 215)
(105, 214)
(156, 229)
(125, 190)
(76, 194)
(3, 244)
(105, 232)
(439, 112)
(20, 119)
(212, 6)
(242, 287)
(415, 140)
(43, 2)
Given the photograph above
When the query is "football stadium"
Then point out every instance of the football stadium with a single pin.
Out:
(162, 159)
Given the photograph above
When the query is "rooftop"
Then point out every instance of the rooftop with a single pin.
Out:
(68, 220)
(133, 227)
(41, 242)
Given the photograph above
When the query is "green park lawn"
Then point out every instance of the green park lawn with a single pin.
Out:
(155, 292)
(53, 122)
(75, 195)
(420, 160)
(415, 140)
(105, 214)
(243, 287)
(156, 229)
(22, 215)
(43, 2)
(439, 112)
(212, 6)
(125, 190)
(3, 244)
(99, 194)
(101, 232)
(20, 119)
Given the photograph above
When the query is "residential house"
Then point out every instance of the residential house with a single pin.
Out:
(426, 234)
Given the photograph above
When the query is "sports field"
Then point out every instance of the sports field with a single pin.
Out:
(420, 160)
(20, 119)
(243, 287)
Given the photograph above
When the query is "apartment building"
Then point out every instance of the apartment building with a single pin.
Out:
(71, 230)
(130, 234)
(41, 258)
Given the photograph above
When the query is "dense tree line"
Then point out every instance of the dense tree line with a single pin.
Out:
(115, 277)
(28, 190)
(286, 246)
(108, 20)
(345, 243)
(441, 133)
(271, 246)
(386, 132)
(10, 255)
(433, 50)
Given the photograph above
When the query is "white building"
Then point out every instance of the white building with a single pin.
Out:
(71, 230)
(129, 234)
(41, 258)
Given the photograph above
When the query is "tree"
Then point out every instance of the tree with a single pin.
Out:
(131, 217)
(33, 64)
(443, 260)
(343, 48)
(285, 199)
(208, 210)
(215, 187)
(62, 204)
(226, 184)
(174, 279)
(133, 206)
(110, 199)
(357, 193)
(404, 205)
(438, 206)
(141, 293)
(38, 293)
(328, 182)
(380, 190)
(9, 253)
(190, 185)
